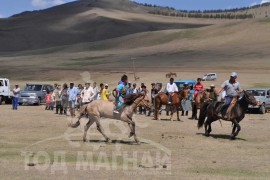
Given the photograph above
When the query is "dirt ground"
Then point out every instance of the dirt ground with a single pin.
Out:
(37, 144)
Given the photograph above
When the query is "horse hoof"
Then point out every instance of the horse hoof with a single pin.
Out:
(85, 140)
(138, 142)
(207, 134)
(232, 137)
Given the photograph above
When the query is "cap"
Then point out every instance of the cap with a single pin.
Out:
(106, 85)
(212, 85)
(129, 82)
(185, 83)
(71, 83)
(134, 84)
(87, 83)
(142, 83)
(234, 74)
(95, 83)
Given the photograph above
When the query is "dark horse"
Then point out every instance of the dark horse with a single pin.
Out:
(210, 110)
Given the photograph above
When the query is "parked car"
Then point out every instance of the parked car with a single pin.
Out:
(5, 92)
(34, 93)
(209, 77)
(262, 96)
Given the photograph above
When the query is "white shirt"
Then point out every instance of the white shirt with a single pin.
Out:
(16, 92)
(96, 93)
(87, 95)
(172, 88)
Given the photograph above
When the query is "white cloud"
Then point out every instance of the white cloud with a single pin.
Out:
(58, 2)
(45, 3)
(265, 1)
(39, 3)
(257, 3)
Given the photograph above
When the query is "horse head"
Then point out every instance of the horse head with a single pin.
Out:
(249, 98)
(144, 101)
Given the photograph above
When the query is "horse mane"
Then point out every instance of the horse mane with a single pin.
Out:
(130, 98)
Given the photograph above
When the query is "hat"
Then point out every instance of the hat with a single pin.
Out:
(234, 74)
(153, 84)
(142, 83)
(71, 83)
(134, 84)
(106, 85)
(185, 83)
(129, 82)
(212, 85)
(87, 83)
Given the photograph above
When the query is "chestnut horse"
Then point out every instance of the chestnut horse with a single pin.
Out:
(162, 99)
(198, 101)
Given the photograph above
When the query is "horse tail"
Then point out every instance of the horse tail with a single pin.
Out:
(81, 112)
(203, 113)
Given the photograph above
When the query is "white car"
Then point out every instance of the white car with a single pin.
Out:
(5, 92)
(209, 77)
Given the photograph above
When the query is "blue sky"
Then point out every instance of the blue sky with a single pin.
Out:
(10, 7)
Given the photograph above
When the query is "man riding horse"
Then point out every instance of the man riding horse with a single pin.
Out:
(121, 91)
(171, 89)
(198, 87)
(232, 88)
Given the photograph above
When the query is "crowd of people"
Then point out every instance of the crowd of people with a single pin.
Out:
(65, 97)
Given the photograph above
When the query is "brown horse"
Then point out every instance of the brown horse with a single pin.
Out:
(198, 101)
(171, 74)
(162, 99)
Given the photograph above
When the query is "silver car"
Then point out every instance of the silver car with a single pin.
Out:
(34, 93)
(262, 96)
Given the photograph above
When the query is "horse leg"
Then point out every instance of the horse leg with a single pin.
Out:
(178, 118)
(193, 111)
(207, 126)
(86, 127)
(238, 127)
(234, 128)
(101, 130)
(196, 113)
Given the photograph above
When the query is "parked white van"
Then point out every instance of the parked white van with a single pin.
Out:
(5, 92)
(209, 77)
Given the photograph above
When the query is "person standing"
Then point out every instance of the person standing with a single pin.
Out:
(129, 87)
(104, 95)
(186, 99)
(87, 94)
(154, 91)
(72, 96)
(58, 100)
(171, 88)
(96, 91)
(64, 97)
(52, 100)
(79, 98)
(134, 89)
(16, 94)
(48, 100)
(232, 88)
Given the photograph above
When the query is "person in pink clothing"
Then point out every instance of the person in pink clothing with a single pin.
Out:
(48, 101)
(198, 87)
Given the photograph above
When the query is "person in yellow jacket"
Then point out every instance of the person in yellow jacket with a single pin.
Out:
(104, 95)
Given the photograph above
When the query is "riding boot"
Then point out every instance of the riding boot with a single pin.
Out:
(186, 113)
(221, 111)
(182, 113)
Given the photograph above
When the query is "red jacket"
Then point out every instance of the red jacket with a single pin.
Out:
(198, 87)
